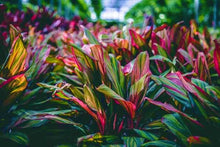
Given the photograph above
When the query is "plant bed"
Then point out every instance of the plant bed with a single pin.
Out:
(97, 86)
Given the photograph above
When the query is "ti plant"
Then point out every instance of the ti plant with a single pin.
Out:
(119, 98)
(13, 82)
(129, 87)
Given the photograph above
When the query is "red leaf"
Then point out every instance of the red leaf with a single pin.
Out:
(100, 117)
(169, 107)
(198, 140)
(160, 28)
(98, 55)
(136, 40)
(10, 79)
(13, 87)
(128, 68)
(141, 67)
(201, 67)
(217, 56)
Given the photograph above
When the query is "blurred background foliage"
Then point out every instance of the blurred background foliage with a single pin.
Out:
(66, 8)
(171, 11)
(206, 13)
(55, 63)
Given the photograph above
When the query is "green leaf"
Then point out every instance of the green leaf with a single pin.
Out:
(160, 143)
(66, 96)
(140, 77)
(77, 91)
(97, 139)
(2, 80)
(17, 137)
(169, 107)
(73, 79)
(113, 145)
(115, 74)
(133, 141)
(197, 107)
(33, 123)
(39, 64)
(127, 105)
(30, 94)
(206, 87)
(162, 52)
(186, 56)
(38, 118)
(215, 121)
(90, 99)
(90, 36)
(162, 58)
(146, 135)
(138, 90)
(175, 90)
(141, 67)
(99, 116)
(86, 58)
(177, 126)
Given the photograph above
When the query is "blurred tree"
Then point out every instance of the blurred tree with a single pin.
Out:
(97, 6)
(172, 11)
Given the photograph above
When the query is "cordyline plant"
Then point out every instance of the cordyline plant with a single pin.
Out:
(43, 21)
(22, 102)
(156, 87)
(119, 97)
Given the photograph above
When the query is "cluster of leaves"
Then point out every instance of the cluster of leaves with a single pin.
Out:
(122, 82)
(43, 21)
(133, 87)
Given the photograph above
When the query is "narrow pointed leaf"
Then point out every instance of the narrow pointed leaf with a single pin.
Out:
(141, 67)
(217, 57)
(17, 137)
(198, 140)
(91, 100)
(115, 74)
(137, 40)
(99, 117)
(160, 143)
(146, 134)
(11, 89)
(15, 63)
(201, 68)
(174, 89)
(133, 141)
(99, 56)
(90, 36)
(66, 97)
(177, 127)
(128, 67)
(169, 107)
(127, 105)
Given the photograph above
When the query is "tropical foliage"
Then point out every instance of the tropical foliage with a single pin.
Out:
(165, 11)
(96, 86)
